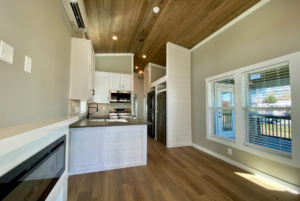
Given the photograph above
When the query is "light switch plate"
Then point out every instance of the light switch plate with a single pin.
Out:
(6, 52)
(27, 66)
(104, 108)
(229, 151)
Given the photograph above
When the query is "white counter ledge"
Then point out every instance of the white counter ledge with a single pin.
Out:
(13, 137)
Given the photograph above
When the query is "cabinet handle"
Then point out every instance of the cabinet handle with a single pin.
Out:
(93, 92)
(123, 86)
(107, 98)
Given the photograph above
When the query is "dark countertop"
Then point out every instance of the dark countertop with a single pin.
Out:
(87, 123)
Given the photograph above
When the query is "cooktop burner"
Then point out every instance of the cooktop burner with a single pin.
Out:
(110, 120)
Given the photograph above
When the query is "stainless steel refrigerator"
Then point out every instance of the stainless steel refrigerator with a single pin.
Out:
(151, 114)
(161, 117)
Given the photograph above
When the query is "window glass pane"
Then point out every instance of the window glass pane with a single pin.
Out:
(224, 123)
(268, 129)
(270, 88)
(271, 129)
(83, 106)
(223, 94)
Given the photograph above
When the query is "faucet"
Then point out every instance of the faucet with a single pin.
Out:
(88, 115)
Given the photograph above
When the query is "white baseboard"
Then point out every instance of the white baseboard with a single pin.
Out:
(248, 169)
(182, 144)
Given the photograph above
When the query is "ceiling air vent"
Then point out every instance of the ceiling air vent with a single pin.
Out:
(77, 14)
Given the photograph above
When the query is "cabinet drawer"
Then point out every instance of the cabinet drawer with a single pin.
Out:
(119, 137)
(124, 129)
(118, 146)
(123, 154)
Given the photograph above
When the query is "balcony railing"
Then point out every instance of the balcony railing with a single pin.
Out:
(267, 125)
(274, 126)
(227, 122)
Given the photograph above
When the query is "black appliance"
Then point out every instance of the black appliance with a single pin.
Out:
(120, 96)
(151, 114)
(161, 117)
(34, 178)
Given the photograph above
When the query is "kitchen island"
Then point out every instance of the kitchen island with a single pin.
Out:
(105, 144)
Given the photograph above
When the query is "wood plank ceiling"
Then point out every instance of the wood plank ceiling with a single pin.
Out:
(141, 31)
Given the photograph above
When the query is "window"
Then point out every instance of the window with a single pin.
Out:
(222, 108)
(83, 106)
(267, 109)
(252, 109)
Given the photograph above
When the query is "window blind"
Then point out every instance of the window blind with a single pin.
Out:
(222, 108)
(266, 95)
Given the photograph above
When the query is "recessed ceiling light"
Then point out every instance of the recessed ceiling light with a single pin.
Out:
(136, 67)
(144, 56)
(114, 37)
(156, 9)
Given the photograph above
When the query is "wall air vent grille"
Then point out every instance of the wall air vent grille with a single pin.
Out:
(77, 14)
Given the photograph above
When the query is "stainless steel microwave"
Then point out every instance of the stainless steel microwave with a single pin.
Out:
(120, 96)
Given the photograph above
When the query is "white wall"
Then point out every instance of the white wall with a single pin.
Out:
(41, 30)
(269, 32)
(178, 96)
(114, 63)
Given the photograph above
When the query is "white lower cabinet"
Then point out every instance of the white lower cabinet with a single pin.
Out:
(106, 148)
(85, 149)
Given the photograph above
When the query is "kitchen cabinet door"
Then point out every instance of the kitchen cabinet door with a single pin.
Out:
(92, 75)
(126, 82)
(82, 70)
(115, 82)
(86, 149)
(101, 87)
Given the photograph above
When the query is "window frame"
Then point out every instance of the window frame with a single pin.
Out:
(246, 108)
(294, 63)
(211, 108)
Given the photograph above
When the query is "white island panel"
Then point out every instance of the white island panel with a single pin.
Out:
(96, 149)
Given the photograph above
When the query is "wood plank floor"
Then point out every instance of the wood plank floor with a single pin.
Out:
(183, 173)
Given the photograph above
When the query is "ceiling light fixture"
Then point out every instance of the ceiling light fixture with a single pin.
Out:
(144, 56)
(141, 74)
(156, 9)
(114, 37)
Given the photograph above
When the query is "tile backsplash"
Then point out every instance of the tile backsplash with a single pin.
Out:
(103, 108)
(72, 109)
(107, 106)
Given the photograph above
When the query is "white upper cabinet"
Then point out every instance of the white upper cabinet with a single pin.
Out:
(104, 82)
(120, 82)
(115, 81)
(126, 82)
(102, 87)
(82, 70)
(92, 75)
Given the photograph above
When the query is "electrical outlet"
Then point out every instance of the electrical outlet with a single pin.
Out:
(77, 109)
(229, 151)
(27, 66)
